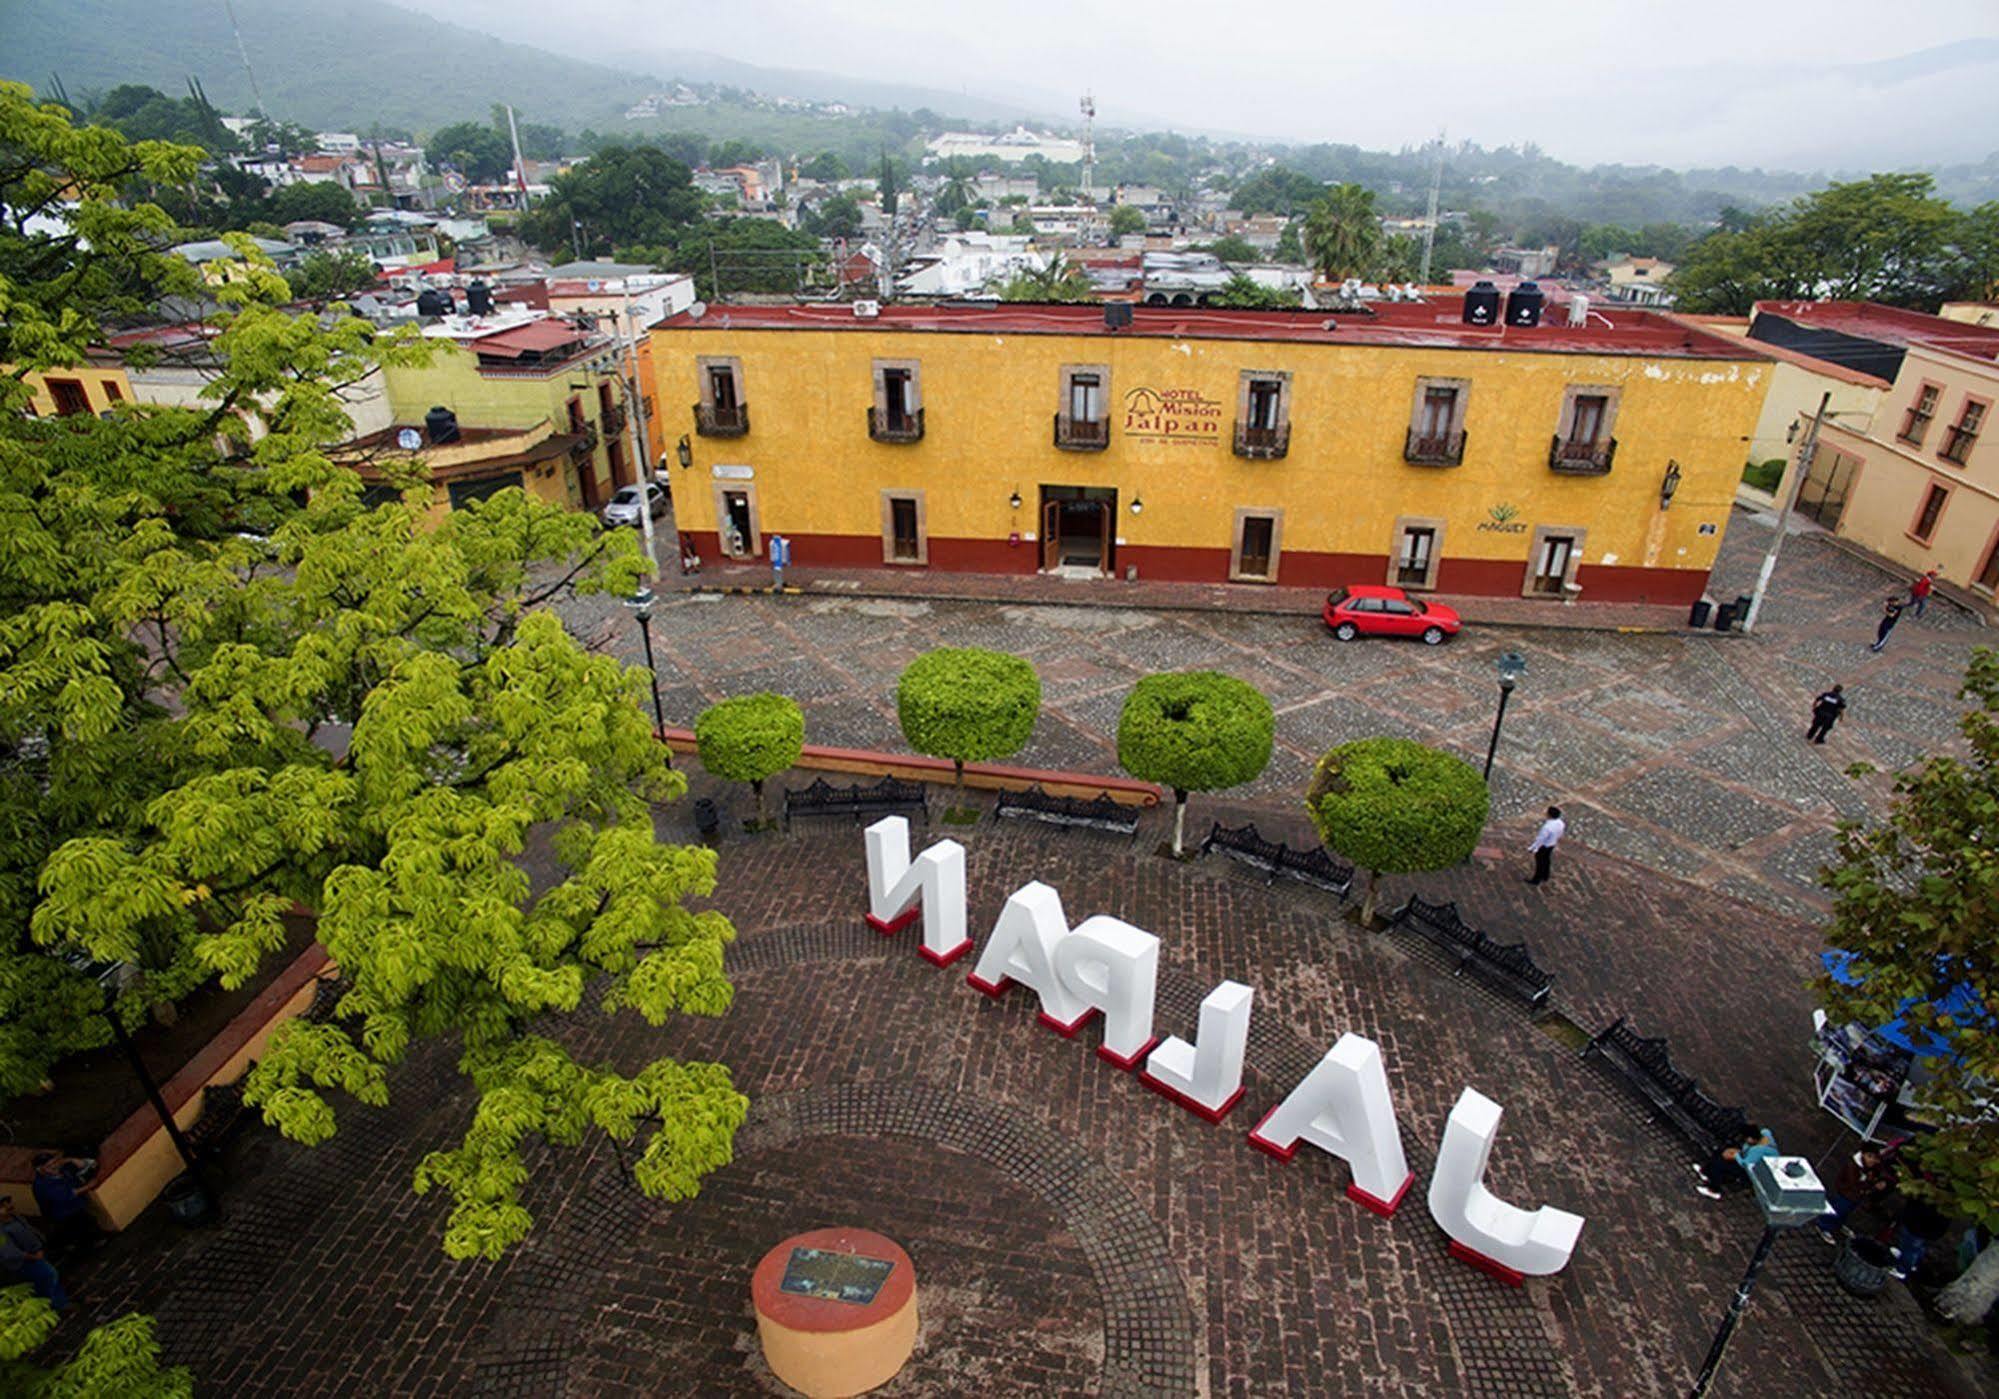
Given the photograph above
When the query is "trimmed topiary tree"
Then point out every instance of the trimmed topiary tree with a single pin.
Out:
(967, 705)
(749, 738)
(1194, 731)
(1392, 806)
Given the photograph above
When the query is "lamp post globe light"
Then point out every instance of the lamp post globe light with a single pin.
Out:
(1512, 665)
(641, 604)
(1789, 1194)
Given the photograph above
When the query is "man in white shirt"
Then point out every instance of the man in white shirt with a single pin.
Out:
(1545, 841)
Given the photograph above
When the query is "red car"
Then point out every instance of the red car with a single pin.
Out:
(1368, 610)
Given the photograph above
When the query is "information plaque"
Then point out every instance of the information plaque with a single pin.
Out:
(835, 1277)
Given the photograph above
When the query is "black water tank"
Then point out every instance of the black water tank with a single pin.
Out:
(479, 299)
(434, 301)
(441, 424)
(1524, 303)
(1482, 304)
(1117, 315)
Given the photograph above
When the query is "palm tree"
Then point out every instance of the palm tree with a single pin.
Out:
(1058, 281)
(1343, 233)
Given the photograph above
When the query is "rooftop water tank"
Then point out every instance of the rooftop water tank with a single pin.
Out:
(1524, 303)
(1482, 304)
(440, 424)
(479, 299)
(434, 301)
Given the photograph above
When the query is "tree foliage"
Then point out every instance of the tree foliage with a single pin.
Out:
(1887, 238)
(1343, 233)
(479, 153)
(1914, 900)
(968, 705)
(322, 276)
(1277, 190)
(621, 195)
(1393, 806)
(1245, 294)
(119, 1358)
(216, 703)
(1194, 731)
(1059, 280)
(1233, 247)
(750, 738)
(1125, 219)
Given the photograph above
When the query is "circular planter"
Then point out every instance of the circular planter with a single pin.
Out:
(836, 1311)
(1862, 1267)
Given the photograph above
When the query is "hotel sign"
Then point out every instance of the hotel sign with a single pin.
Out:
(1172, 415)
(1105, 967)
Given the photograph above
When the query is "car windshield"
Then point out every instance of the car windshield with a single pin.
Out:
(627, 495)
(1336, 597)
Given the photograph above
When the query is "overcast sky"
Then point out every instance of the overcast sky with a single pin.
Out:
(1780, 83)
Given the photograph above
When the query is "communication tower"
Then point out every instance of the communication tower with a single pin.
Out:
(1089, 109)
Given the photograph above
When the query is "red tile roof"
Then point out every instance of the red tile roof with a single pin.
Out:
(1435, 323)
(534, 338)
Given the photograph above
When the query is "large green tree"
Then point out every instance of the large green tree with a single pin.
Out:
(1343, 233)
(968, 705)
(622, 195)
(1393, 806)
(479, 153)
(1916, 904)
(217, 703)
(1194, 731)
(750, 738)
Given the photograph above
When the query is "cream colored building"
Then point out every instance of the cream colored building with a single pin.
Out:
(1921, 485)
(1798, 384)
(1971, 312)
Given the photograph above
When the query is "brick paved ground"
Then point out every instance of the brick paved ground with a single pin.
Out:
(1073, 1233)
(1684, 753)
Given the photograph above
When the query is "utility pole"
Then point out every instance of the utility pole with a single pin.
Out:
(244, 54)
(635, 399)
(1430, 227)
(1789, 497)
(520, 166)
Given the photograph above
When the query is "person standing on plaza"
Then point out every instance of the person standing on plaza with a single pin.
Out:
(1545, 841)
(1866, 1177)
(1826, 710)
(59, 1188)
(1920, 590)
(23, 1257)
(1891, 613)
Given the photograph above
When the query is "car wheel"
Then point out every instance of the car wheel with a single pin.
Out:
(1346, 631)
(1432, 635)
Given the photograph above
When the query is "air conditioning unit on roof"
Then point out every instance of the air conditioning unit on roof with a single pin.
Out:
(867, 309)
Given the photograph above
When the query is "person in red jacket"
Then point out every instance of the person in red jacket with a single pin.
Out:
(1920, 590)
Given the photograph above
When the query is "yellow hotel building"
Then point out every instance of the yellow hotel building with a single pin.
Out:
(1399, 444)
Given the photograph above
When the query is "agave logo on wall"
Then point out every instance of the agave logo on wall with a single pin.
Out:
(1505, 519)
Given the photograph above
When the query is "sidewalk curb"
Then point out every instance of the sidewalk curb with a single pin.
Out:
(876, 595)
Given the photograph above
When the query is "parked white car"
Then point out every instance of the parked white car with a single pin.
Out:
(624, 506)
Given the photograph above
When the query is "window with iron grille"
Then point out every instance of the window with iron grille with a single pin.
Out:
(1963, 434)
(1916, 423)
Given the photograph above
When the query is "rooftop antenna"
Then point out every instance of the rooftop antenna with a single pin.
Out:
(520, 166)
(1089, 109)
(244, 54)
(1430, 225)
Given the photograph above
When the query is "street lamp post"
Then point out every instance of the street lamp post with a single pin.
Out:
(110, 976)
(1789, 1194)
(1512, 665)
(641, 605)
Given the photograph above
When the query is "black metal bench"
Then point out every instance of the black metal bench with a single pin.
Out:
(1505, 965)
(884, 798)
(221, 1110)
(1098, 813)
(1314, 866)
(1644, 1067)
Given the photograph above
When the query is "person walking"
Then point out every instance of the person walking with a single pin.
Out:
(1826, 710)
(1545, 841)
(1920, 590)
(23, 1257)
(1865, 1178)
(1891, 613)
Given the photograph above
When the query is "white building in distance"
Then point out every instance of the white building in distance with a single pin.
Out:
(1017, 144)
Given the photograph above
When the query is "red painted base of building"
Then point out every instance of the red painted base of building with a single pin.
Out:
(1385, 1208)
(1127, 1062)
(1200, 1110)
(1491, 1267)
(1298, 568)
(1067, 1032)
(944, 959)
(1267, 1146)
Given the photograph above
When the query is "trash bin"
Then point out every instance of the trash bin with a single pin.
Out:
(1862, 1266)
(1697, 615)
(1724, 617)
(186, 1201)
(707, 819)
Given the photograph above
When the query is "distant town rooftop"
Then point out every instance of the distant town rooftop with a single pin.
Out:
(1436, 323)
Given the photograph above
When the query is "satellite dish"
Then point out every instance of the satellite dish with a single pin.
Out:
(409, 439)
(697, 310)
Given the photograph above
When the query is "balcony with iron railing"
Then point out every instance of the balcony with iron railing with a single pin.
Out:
(1442, 449)
(586, 440)
(1262, 443)
(614, 419)
(1573, 457)
(890, 427)
(1082, 434)
(715, 420)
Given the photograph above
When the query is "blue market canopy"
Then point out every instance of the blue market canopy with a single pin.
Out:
(1960, 1002)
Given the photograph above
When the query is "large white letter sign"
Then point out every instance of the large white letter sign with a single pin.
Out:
(1508, 1242)
(1022, 948)
(1206, 1077)
(1113, 967)
(933, 886)
(1343, 1107)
